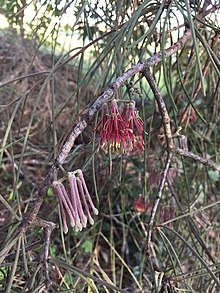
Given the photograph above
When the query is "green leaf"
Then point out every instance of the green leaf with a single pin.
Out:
(87, 246)
(213, 175)
(53, 251)
(50, 191)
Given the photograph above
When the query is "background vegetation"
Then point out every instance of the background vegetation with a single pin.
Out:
(56, 58)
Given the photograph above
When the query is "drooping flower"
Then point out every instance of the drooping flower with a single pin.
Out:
(102, 135)
(82, 180)
(78, 186)
(64, 199)
(80, 217)
(70, 203)
(63, 216)
(115, 128)
(135, 126)
(120, 130)
(139, 205)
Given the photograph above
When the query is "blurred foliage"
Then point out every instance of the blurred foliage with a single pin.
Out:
(90, 44)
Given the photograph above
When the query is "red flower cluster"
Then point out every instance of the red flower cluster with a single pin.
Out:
(139, 205)
(120, 130)
(71, 205)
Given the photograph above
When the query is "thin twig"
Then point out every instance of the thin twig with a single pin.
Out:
(162, 107)
(197, 158)
(48, 229)
(170, 147)
(159, 195)
(33, 245)
(167, 127)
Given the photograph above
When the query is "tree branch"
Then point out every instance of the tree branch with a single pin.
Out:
(204, 161)
(157, 201)
(171, 148)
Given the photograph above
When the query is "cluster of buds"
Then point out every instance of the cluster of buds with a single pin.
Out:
(120, 129)
(71, 202)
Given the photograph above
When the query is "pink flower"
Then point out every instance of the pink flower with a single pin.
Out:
(64, 200)
(80, 217)
(71, 205)
(78, 186)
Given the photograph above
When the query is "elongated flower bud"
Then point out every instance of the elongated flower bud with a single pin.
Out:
(63, 216)
(59, 188)
(81, 177)
(73, 188)
(91, 221)
(74, 204)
